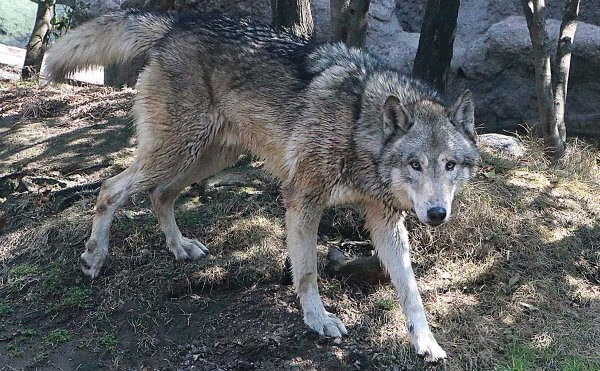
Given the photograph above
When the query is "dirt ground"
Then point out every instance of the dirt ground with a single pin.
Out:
(511, 283)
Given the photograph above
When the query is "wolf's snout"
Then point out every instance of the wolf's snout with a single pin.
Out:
(436, 215)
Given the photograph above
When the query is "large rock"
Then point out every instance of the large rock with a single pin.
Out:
(94, 8)
(503, 144)
(387, 40)
(476, 16)
(498, 68)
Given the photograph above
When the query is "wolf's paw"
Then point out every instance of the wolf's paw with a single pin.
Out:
(325, 323)
(426, 345)
(92, 259)
(187, 248)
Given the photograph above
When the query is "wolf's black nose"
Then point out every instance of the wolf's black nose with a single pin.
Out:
(436, 214)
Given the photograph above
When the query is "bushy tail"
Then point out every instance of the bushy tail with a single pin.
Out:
(112, 38)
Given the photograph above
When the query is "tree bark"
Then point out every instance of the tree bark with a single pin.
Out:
(338, 20)
(38, 42)
(535, 14)
(436, 43)
(563, 63)
(349, 21)
(357, 23)
(293, 15)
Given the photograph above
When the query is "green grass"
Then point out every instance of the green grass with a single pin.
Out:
(576, 364)
(56, 337)
(72, 298)
(190, 218)
(521, 359)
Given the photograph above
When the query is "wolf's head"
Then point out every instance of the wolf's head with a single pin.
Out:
(428, 151)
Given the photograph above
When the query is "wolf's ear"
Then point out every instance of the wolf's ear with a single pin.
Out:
(462, 114)
(395, 116)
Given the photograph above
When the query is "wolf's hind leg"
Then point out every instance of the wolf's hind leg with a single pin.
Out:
(163, 200)
(113, 193)
(302, 223)
(214, 159)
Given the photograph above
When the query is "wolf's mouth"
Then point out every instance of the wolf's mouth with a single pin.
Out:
(435, 224)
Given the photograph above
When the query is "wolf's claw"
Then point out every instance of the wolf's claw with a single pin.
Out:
(325, 323)
(92, 261)
(187, 248)
(426, 345)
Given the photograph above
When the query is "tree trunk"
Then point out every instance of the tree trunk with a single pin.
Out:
(535, 13)
(356, 34)
(436, 42)
(38, 42)
(293, 15)
(563, 63)
(338, 20)
(349, 21)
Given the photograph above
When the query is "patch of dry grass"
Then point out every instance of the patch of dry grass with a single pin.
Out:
(516, 267)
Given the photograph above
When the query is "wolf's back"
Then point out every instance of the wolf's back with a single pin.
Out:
(112, 38)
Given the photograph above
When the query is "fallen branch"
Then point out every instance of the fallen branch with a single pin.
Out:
(74, 194)
(366, 269)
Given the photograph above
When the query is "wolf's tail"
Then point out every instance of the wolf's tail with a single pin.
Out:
(112, 38)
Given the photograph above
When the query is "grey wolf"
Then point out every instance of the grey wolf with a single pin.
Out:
(333, 125)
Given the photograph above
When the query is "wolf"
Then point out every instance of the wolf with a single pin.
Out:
(333, 124)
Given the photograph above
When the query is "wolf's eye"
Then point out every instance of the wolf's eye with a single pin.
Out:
(415, 165)
(450, 165)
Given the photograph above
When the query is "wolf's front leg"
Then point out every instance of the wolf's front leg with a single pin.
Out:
(302, 223)
(390, 238)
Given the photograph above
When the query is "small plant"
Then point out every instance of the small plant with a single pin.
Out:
(5, 310)
(24, 270)
(77, 12)
(14, 350)
(51, 281)
(386, 303)
(332, 285)
(41, 358)
(75, 297)
(108, 341)
(22, 336)
(56, 337)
